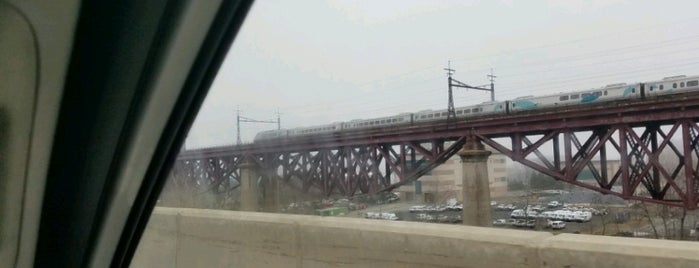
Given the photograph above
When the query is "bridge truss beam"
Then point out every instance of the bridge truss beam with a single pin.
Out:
(640, 151)
(657, 162)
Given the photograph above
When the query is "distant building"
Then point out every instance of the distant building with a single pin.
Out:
(444, 182)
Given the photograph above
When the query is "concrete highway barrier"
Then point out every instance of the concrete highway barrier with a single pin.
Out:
(179, 237)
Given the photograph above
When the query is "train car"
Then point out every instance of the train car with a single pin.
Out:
(404, 118)
(266, 135)
(583, 97)
(672, 85)
(430, 115)
(486, 108)
(327, 128)
(271, 134)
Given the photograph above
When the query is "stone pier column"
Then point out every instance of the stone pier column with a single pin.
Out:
(475, 185)
(271, 195)
(249, 192)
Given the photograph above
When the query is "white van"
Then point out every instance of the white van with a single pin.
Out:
(557, 225)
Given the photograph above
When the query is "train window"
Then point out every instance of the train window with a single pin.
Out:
(633, 90)
(467, 111)
(574, 97)
(563, 98)
(383, 121)
(693, 83)
(585, 95)
(474, 110)
(430, 116)
(605, 93)
(661, 87)
(459, 112)
(444, 114)
(674, 85)
(422, 117)
(682, 84)
(599, 93)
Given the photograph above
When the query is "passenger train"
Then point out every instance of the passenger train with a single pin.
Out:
(614, 92)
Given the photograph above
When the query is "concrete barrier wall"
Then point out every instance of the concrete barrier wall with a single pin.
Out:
(213, 238)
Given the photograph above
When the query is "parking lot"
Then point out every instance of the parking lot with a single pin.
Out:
(538, 217)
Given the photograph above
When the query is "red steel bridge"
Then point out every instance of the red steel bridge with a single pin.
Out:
(654, 141)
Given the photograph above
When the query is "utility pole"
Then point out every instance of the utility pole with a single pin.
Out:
(243, 119)
(492, 77)
(451, 117)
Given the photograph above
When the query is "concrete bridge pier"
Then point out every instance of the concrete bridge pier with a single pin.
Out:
(475, 185)
(249, 190)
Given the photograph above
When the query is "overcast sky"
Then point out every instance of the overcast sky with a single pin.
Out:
(318, 62)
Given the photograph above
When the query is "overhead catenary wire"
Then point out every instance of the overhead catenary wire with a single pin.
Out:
(347, 100)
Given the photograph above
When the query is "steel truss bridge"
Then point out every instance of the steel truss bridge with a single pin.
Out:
(655, 143)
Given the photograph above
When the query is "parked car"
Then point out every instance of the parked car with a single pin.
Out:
(553, 204)
(414, 209)
(517, 213)
(500, 222)
(582, 216)
(531, 223)
(557, 225)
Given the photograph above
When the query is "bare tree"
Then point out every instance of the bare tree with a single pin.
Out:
(597, 205)
(684, 216)
(650, 219)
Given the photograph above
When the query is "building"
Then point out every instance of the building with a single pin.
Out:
(444, 182)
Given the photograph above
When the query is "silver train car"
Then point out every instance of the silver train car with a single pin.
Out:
(615, 92)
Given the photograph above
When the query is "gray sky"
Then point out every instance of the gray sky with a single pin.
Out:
(319, 62)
